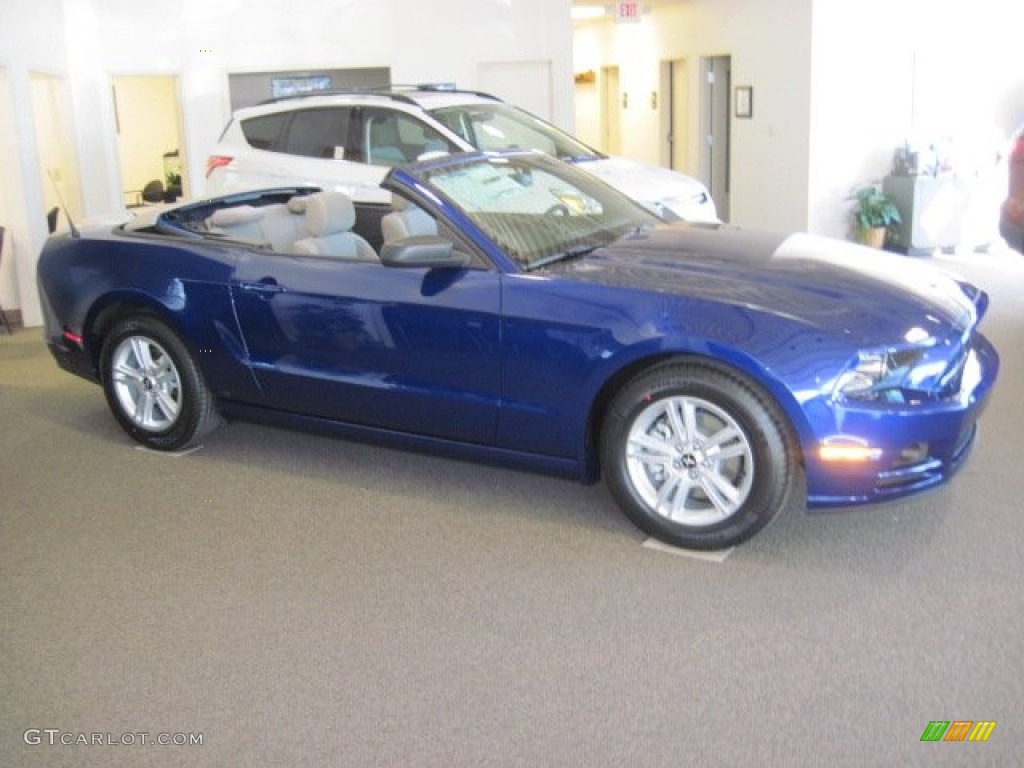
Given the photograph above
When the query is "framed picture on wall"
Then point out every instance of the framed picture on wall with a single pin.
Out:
(744, 101)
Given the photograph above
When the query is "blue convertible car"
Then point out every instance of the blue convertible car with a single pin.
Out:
(510, 308)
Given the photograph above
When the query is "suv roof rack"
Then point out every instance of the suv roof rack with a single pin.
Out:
(441, 88)
(369, 91)
(395, 92)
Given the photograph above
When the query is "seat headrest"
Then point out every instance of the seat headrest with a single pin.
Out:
(329, 212)
(297, 204)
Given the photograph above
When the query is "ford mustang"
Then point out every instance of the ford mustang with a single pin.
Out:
(507, 307)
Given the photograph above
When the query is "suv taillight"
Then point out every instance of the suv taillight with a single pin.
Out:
(1017, 153)
(216, 161)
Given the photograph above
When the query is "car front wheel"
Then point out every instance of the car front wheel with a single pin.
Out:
(696, 456)
(153, 386)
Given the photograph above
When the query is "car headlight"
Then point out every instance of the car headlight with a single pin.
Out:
(878, 375)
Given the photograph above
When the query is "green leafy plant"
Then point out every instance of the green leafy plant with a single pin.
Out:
(874, 209)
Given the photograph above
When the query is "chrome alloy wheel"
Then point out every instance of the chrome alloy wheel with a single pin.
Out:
(689, 461)
(146, 383)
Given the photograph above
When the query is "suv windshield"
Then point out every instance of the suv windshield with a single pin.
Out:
(501, 126)
(535, 209)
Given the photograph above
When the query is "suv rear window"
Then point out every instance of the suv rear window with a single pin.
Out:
(318, 133)
(262, 132)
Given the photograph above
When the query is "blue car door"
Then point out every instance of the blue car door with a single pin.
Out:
(413, 350)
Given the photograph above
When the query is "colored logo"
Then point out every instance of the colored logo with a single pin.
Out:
(958, 730)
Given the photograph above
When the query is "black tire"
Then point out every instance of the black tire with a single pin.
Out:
(723, 483)
(154, 387)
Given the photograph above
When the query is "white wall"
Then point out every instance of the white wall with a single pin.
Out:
(30, 42)
(886, 71)
(770, 46)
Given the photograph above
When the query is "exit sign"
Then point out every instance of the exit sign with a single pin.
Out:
(627, 11)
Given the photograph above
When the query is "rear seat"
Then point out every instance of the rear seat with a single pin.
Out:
(239, 223)
(282, 225)
(278, 225)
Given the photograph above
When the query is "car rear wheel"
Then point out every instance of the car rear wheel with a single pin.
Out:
(154, 387)
(696, 456)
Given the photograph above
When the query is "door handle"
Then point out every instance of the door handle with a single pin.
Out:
(267, 287)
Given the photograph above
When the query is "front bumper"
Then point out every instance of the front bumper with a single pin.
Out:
(1013, 233)
(914, 447)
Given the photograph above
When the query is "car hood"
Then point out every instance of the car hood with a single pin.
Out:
(863, 296)
(655, 186)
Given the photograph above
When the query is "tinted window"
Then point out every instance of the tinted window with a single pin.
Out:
(262, 132)
(393, 138)
(318, 133)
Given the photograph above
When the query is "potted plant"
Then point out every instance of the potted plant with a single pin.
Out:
(874, 215)
(173, 189)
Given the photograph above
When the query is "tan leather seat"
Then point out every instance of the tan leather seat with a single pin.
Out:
(330, 217)
(406, 220)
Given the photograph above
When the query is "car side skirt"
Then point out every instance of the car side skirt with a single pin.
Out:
(550, 465)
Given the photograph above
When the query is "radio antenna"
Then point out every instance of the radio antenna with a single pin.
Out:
(60, 199)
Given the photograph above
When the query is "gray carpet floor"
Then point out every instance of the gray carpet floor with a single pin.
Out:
(294, 600)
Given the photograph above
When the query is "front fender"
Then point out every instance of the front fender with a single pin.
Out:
(567, 346)
(608, 378)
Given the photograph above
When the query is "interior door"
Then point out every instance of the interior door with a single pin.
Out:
(675, 115)
(716, 84)
(413, 350)
(611, 110)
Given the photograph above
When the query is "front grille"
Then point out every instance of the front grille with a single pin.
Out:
(920, 465)
(919, 475)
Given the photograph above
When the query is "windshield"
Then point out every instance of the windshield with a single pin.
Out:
(537, 210)
(501, 126)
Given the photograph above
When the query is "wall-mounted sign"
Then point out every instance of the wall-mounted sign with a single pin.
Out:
(627, 11)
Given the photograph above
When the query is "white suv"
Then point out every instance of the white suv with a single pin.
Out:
(348, 141)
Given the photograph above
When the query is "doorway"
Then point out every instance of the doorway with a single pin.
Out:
(58, 160)
(675, 115)
(149, 139)
(611, 111)
(716, 85)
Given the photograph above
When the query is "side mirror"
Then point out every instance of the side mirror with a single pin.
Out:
(422, 252)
